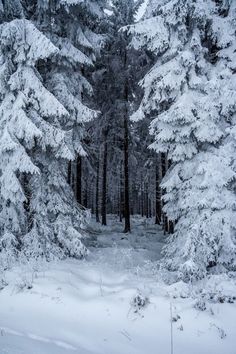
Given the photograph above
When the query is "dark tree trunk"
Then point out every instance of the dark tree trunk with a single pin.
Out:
(118, 200)
(69, 171)
(27, 202)
(167, 223)
(91, 201)
(139, 205)
(121, 211)
(86, 195)
(132, 201)
(146, 202)
(158, 191)
(171, 227)
(97, 191)
(164, 170)
(127, 227)
(142, 201)
(79, 180)
(126, 175)
(121, 194)
(104, 184)
(150, 208)
(73, 180)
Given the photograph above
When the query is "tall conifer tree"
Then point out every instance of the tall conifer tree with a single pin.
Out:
(194, 45)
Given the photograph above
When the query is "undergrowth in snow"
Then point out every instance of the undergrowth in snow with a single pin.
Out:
(115, 302)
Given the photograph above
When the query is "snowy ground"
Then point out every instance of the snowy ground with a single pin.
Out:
(85, 307)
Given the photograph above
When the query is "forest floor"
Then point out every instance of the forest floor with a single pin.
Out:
(95, 306)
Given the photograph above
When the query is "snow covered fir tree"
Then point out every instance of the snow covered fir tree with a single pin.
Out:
(117, 176)
(189, 92)
(41, 128)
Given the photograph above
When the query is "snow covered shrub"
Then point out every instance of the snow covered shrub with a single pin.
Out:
(3, 281)
(72, 243)
(25, 282)
(29, 268)
(139, 301)
(200, 305)
(176, 318)
(9, 249)
(221, 332)
(9, 252)
(190, 92)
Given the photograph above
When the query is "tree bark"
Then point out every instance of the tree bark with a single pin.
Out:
(142, 200)
(126, 175)
(86, 195)
(127, 227)
(158, 191)
(97, 191)
(121, 205)
(79, 180)
(150, 208)
(69, 172)
(146, 202)
(165, 167)
(104, 184)
(27, 202)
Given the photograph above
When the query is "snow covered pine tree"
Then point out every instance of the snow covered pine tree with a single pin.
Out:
(38, 212)
(190, 92)
(69, 25)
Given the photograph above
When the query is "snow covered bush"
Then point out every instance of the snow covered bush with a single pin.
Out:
(9, 249)
(139, 301)
(200, 304)
(189, 92)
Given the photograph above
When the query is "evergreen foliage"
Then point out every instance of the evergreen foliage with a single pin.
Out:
(189, 94)
(41, 126)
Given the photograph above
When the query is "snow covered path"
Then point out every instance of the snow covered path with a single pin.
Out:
(85, 307)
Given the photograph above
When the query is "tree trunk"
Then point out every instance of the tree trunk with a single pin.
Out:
(171, 227)
(126, 175)
(121, 211)
(158, 191)
(142, 201)
(69, 172)
(104, 184)
(150, 208)
(86, 194)
(146, 201)
(79, 180)
(91, 200)
(164, 170)
(73, 178)
(27, 202)
(97, 191)
(127, 227)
